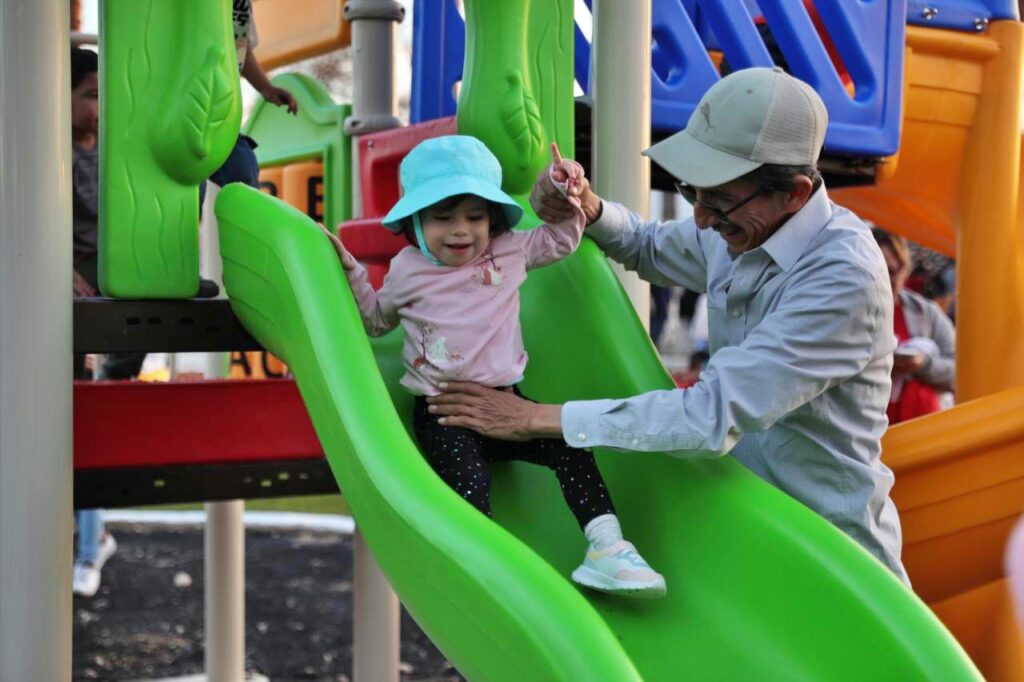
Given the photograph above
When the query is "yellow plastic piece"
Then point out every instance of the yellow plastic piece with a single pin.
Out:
(955, 189)
(984, 622)
(287, 35)
(957, 185)
(959, 489)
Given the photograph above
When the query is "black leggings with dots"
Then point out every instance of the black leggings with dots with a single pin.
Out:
(460, 457)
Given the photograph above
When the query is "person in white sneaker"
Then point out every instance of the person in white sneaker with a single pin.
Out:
(95, 546)
(455, 292)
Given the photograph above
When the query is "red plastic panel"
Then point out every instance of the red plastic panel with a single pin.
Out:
(380, 155)
(133, 423)
(369, 241)
(373, 245)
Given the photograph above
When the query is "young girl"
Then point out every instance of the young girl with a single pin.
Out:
(455, 292)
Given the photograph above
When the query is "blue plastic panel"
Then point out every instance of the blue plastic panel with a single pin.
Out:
(869, 36)
(961, 15)
(438, 49)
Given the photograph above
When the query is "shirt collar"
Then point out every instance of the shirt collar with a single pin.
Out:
(794, 237)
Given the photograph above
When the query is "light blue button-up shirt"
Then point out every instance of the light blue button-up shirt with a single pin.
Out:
(801, 334)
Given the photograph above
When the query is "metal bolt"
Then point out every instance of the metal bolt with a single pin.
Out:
(929, 13)
(980, 23)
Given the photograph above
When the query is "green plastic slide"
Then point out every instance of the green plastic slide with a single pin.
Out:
(759, 587)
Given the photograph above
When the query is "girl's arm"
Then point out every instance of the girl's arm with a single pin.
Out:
(377, 308)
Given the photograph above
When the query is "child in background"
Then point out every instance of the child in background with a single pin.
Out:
(95, 544)
(455, 292)
(241, 164)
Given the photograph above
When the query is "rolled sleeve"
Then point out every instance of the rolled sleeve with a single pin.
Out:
(665, 253)
(614, 219)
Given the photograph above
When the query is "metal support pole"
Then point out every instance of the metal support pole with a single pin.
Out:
(374, 107)
(35, 341)
(224, 542)
(376, 627)
(374, 102)
(224, 546)
(621, 77)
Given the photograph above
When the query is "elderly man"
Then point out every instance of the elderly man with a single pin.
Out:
(800, 314)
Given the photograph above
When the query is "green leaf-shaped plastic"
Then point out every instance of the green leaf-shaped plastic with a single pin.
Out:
(205, 104)
(170, 109)
(520, 117)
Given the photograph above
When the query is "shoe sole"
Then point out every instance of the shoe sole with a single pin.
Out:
(588, 577)
(80, 592)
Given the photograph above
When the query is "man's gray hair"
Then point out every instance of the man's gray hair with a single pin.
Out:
(778, 178)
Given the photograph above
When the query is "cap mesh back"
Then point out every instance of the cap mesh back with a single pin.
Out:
(794, 126)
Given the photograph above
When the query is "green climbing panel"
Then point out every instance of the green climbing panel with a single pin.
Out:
(517, 87)
(170, 112)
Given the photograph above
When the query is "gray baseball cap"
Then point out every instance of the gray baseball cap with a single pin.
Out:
(749, 118)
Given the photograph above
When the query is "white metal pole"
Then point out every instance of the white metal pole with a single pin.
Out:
(225, 591)
(621, 77)
(224, 543)
(35, 341)
(374, 107)
(376, 619)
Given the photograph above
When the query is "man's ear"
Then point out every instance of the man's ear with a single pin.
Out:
(798, 195)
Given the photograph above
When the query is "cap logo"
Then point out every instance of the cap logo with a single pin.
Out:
(705, 111)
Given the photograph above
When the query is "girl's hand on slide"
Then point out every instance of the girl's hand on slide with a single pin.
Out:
(348, 262)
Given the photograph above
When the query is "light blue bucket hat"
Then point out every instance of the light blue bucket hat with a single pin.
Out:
(447, 166)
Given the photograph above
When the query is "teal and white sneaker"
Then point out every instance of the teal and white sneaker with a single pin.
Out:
(619, 569)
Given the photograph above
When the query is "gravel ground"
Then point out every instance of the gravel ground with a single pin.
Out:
(147, 619)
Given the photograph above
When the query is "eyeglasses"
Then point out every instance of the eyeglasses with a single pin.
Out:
(689, 192)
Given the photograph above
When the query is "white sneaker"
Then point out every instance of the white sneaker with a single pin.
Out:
(108, 545)
(85, 580)
(619, 569)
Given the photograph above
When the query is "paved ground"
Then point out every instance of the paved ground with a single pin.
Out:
(147, 619)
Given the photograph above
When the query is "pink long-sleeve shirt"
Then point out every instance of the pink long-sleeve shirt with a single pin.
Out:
(462, 324)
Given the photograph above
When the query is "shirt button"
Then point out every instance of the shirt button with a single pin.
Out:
(735, 312)
(582, 436)
(636, 441)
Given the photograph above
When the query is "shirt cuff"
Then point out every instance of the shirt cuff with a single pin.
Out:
(581, 421)
(614, 219)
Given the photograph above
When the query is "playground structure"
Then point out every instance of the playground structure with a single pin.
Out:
(802, 599)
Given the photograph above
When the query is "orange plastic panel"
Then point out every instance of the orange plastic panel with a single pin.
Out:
(290, 31)
(983, 622)
(944, 78)
(959, 489)
(256, 364)
(957, 186)
(302, 186)
(272, 180)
